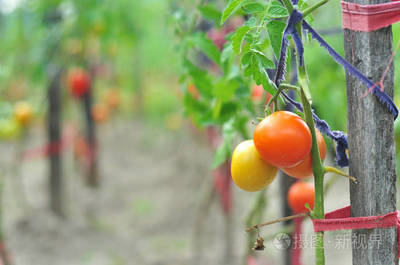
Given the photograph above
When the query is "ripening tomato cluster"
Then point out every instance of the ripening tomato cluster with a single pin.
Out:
(281, 140)
(79, 83)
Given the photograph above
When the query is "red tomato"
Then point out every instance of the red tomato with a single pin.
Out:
(304, 169)
(299, 194)
(283, 139)
(78, 82)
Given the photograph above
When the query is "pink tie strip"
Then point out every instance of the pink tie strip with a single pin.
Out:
(368, 18)
(341, 220)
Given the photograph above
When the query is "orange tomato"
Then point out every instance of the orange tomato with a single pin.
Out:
(112, 99)
(299, 194)
(100, 113)
(283, 139)
(304, 169)
(23, 113)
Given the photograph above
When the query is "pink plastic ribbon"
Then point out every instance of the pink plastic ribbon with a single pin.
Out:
(52, 148)
(341, 220)
(222, 184)
(368, 18)
(222, 174)
(295, 252)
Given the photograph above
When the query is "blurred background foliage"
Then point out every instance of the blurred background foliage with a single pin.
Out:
(133, 47)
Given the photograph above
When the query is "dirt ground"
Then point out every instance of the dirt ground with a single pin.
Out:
(144, 211)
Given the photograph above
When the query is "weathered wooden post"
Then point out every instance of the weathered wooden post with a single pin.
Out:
(54, 134)
(371, 144)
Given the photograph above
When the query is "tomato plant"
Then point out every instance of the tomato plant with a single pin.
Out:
(300, 194)
(283, 139)
(304, 169)
(223, 73)
(249, 171)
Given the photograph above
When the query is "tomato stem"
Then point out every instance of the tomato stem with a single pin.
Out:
(274, 99)
(283, 219)
(255, 216)
(289, 6)
(314, 7)
(289, 87)
(318, 168)
(318, 171)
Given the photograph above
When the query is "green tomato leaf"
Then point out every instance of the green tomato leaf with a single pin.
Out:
(224, 90)
(267, 83)
(248, 71)
(229, 109)
(210, 12)
(263, 60)
(277, 10)
(246, 58)
(275, 30)
(231, 8)
(237, 38)
(200, 78)
(221, 155)
(261, 77)
(193, 106)
(251, 22)
(226, 53)
(206, 45)
(253, 8)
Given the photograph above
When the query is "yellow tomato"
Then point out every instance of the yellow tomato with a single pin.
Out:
(249, 171)
(23, 113)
